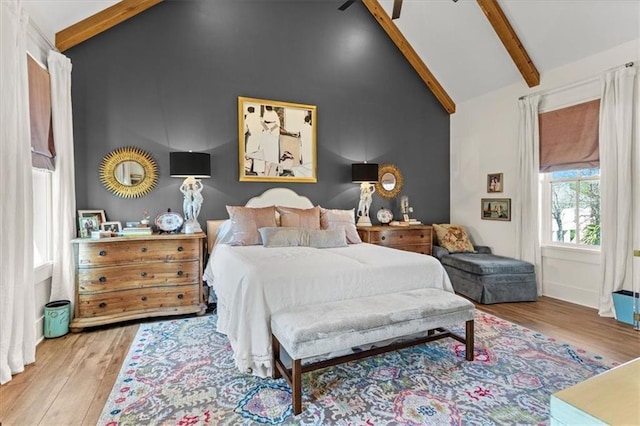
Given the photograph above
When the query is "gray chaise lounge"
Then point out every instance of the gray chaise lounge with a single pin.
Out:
(488, 278)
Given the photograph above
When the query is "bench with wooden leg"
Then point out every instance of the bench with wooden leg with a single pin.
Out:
(305, 332)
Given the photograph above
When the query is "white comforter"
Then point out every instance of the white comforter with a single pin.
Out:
(253, 282)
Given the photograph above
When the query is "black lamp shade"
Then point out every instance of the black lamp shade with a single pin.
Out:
(364, 172)
(185, 164)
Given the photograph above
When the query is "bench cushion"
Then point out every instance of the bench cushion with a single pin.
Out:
(487, 264)
(307, 331)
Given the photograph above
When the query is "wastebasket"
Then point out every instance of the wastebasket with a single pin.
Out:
(56, 318)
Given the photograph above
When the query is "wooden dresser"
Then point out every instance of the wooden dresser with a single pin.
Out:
(125, 278)
(415, 238)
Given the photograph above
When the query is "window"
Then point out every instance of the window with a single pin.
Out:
(571, 207)
(42, 221)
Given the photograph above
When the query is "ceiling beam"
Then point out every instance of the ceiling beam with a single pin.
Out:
(101, 21)
(510, 40)
(401, 42)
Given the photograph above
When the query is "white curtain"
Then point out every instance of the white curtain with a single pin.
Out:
(526, 212)
(63, 182)
(616, 187)
(17, 306)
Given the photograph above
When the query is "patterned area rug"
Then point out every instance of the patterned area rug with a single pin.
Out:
(181, 372)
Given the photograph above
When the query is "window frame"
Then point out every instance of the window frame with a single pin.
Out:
(43, 218)
(546, 225)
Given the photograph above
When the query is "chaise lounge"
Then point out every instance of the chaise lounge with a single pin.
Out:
(480, 275)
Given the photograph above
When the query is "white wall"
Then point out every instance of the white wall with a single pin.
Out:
(484, 135)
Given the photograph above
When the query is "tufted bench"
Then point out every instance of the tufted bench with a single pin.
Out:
(313, 330)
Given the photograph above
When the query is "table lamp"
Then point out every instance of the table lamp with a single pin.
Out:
(191, 166)
(364, 173)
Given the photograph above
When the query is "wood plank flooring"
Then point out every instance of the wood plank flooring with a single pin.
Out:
(73, 375)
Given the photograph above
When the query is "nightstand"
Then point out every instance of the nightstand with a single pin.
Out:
(416, 238)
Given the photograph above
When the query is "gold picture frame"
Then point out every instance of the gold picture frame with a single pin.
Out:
(495, 182)
(277, 141)
(129, 172)
(496, 209)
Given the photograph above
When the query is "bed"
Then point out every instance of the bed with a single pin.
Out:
(252, 282)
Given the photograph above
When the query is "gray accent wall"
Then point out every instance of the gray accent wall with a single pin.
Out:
(169, 80)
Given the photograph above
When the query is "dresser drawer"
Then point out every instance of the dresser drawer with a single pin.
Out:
(416, 248)
(113, 253)
(119, 302)
(395, 236)
(108, 278)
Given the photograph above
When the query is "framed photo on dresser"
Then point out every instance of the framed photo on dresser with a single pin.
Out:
(90, 220)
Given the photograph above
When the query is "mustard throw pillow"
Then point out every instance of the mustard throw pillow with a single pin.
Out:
(453, 238)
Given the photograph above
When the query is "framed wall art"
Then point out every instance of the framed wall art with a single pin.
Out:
(494, 182)
(277, 141)
(496, 209)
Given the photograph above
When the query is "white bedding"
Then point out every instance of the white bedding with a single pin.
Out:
(253, 282)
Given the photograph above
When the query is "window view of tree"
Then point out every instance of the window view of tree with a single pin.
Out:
(575, 206)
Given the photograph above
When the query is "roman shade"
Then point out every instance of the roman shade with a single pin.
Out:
(569, 137)
(42, 147)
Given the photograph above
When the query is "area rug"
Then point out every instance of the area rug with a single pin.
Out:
(181, 372)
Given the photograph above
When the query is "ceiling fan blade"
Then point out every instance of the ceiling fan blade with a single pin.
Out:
(397, 5)
(346, 4)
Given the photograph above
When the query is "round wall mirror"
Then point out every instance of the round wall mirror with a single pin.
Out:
(129, 172)
(389, 181)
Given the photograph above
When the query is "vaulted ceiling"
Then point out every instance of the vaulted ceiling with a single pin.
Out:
(461, 49)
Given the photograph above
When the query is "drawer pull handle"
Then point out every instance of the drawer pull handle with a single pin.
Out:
(180, 248)
(102, 279)
(181, 296)
(383, 238)
(421, 235)
(179, 273)
(144, 274)
(102, 253)
(143, 249)
(102, 305)
(144, 298)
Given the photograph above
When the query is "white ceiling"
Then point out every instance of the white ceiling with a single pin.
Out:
(455, 40)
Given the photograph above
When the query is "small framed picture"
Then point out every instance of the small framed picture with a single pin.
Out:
(87, 225)
(496, 209)
(89, 213)
(494, 182)
(114, 227)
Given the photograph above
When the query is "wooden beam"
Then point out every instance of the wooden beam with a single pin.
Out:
(510, 40)
(401, 42)
(101, 21)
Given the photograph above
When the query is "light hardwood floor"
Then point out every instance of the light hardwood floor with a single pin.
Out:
(73, 375)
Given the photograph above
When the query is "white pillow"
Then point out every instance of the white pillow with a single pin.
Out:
(224, 235)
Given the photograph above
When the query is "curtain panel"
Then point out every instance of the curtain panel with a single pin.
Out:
(526, 202)
(63, 182)
(616, 184)
(17, 308)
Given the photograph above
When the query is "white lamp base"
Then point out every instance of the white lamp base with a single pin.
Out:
(363, 221)
(191, 227)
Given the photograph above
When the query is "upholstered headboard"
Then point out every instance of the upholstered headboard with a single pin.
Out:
(271, 197)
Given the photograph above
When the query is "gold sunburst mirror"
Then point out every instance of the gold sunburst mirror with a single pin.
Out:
(390, 181)
(129, 172)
